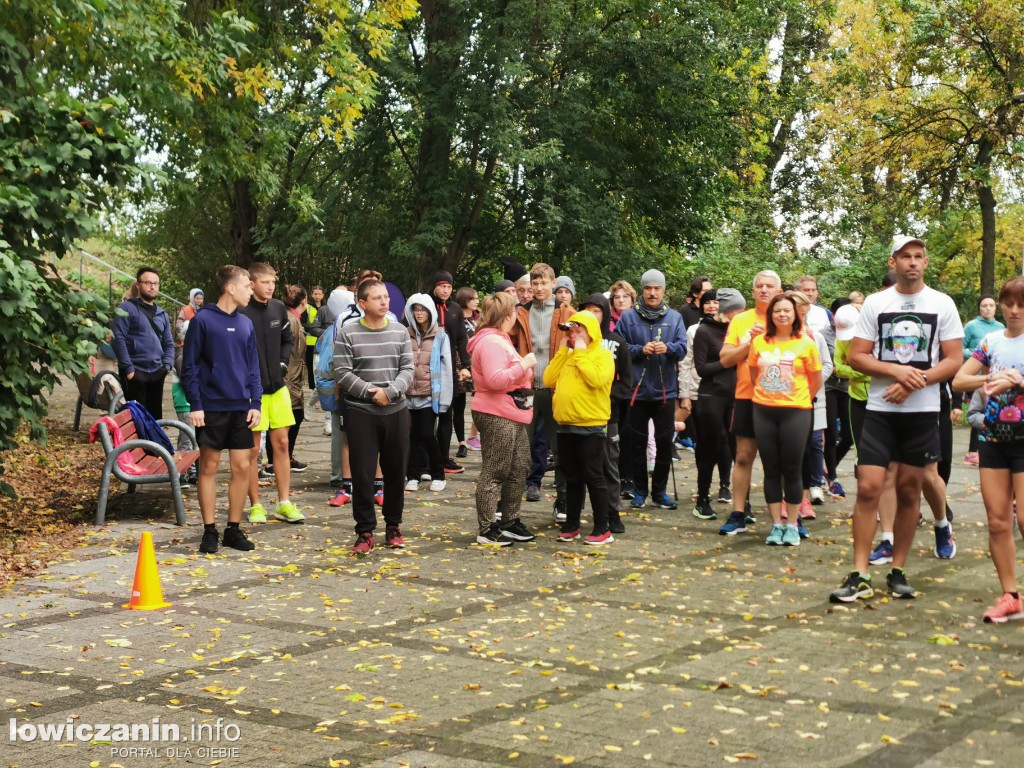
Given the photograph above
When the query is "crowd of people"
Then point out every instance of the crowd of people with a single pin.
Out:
(603, 392)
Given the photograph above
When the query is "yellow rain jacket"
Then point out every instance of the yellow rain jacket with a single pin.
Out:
(582, 379)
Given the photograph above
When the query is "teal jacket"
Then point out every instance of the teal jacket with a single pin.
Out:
(976, 330)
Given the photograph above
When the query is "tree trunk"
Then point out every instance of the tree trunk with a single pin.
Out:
(987, 203)
(243, 223)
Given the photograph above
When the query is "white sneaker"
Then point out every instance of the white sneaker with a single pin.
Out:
(412, 485)
(817, 497)
(327, 425)
(426, 477)
(438, 485)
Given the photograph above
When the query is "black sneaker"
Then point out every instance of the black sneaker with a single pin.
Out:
(855, 587)
(615, 524)
(898, 586)
(493, 537)
(184, 481)
(451, 468)
(724, 494)
(559, 510)
(462, 453)
(626, 491)
(336, 483)
(532, 493)
(266, 472)
(234, 538)
(298, 466)
(748, 514)
(517, 531)
(211, 541)
(704, 510)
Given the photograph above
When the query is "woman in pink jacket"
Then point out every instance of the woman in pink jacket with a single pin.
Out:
(502, 408)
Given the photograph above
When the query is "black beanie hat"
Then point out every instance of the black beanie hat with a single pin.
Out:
(513, 270)
(442, 277)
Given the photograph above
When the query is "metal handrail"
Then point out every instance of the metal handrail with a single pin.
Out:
(110, 280)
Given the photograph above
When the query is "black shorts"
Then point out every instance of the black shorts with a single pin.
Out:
(226, 431)
(743, 419)
(1001, 456)
(909, 438)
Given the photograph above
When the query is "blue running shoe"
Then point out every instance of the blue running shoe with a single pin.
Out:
(882, 554)
(664, 501)
(639, 501)
(688, 444)
(804, 533)
(735, 524)
(836, 489)
(945, 544)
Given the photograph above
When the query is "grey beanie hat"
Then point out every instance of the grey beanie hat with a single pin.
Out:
(564, 281)
(730, 300)
(653, 277)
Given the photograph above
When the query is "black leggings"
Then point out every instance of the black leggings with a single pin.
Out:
(423, 440)
(309, 367)
(458, 410)
(839, 404)
(717, 445)
(444, 433)
(663, 415)
(583, 459)
(781, 441)
(625, 446)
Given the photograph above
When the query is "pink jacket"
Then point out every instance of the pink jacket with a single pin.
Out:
(497, 370)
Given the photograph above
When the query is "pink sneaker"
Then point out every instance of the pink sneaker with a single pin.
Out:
(341, 498)
(807, 510)
(1007, 608)
(599, 539)
(473, 444)
(378, 498)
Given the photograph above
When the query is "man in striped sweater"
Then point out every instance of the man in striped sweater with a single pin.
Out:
(373, 365)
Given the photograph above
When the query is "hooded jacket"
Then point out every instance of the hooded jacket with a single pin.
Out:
(582, 379)
(622, 385)
(656, 376)
(497, 370)
(138, 346)
(422, 347)
(449, 316)
(185, 314)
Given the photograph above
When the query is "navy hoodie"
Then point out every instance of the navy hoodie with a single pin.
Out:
(220, 369)
(136, 343)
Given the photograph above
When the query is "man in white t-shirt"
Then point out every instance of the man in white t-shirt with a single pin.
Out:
(907, 339)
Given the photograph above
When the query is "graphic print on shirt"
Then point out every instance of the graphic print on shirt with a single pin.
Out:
(906, 338)
(776, 371)
(1004, 413)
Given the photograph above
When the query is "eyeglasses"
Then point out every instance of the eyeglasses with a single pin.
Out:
(149, 282)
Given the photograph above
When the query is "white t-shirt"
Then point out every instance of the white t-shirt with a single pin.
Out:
(907, 329)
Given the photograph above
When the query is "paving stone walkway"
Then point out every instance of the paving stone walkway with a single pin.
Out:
(672, 647)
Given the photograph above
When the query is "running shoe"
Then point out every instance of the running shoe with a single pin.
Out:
(898, 585)
(615, 523)
(236, 539)
(724, 494)
(639, 501)
(599, 539)
(378, 497)
(341, 498)
(735, 524)
(688, 444)
(664, 501)
(287, 511)
(493, 537)
(791, 536)
(836, 489)
(452, 468)
(855, 587)
(363, 545)
(748, 513)
(806, 510)
(257, 514)
(412, 485)
(532, 493)
(559, 510)
(945, 544)
(817, 497)
(210, 542)
(800, 529)
(462, 452)
(569, 535)
(704, 510)
(774, 538)
(517, 531)
(882, 554)
(1007, 608)
(438, 485)
(393, 537)
(473, 443)
(626, 490)
(298, 466)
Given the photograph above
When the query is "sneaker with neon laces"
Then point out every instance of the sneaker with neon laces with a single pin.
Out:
(664, 501)
(806, 510)
(341, 498)
(571, 535)
(817, 497)
(735, 524)
(473, 444)
(287, 511)
(704, 510)
(599, 539)
(898, 585)
(257, 514)
(393, 537)
(855, 587)
(882, 554)
(791, 536)
(836, 489)
(493, 537)
(774, 539)
(1007, 608)
(945, 544)
(235, 538)
(363, 545)
(639, 501)
(378, 497)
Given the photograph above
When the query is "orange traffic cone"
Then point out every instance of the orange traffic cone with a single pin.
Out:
(146, 592)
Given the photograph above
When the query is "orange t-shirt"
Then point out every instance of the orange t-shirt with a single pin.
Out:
(783, 371)
(734, 334)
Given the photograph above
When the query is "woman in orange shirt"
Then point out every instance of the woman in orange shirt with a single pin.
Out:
(785, 369)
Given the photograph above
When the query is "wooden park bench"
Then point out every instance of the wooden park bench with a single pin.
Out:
(159, 468)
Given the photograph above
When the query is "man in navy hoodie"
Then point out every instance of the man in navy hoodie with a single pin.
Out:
(657, 342)
(144, 345)
(220, 373)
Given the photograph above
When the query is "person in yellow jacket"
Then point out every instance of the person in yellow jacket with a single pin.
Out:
(581, 375)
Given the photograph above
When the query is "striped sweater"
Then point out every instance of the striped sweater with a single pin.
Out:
(365, 358)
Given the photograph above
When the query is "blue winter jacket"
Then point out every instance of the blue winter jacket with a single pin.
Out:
(136, 344)
(655, 376)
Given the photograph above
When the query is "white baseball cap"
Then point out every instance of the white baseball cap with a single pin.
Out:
(899, 241)
(846, 320)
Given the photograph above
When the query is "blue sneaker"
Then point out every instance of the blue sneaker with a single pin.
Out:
(945, 544)
(882, 554)
(688, 444)
(735, 524)
(804, 533)
(664, 501)
(836, 489)
(639, 501)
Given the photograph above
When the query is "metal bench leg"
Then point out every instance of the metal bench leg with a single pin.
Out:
(131, 487)
(179, 505)
(78, 413)
(101, 502)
